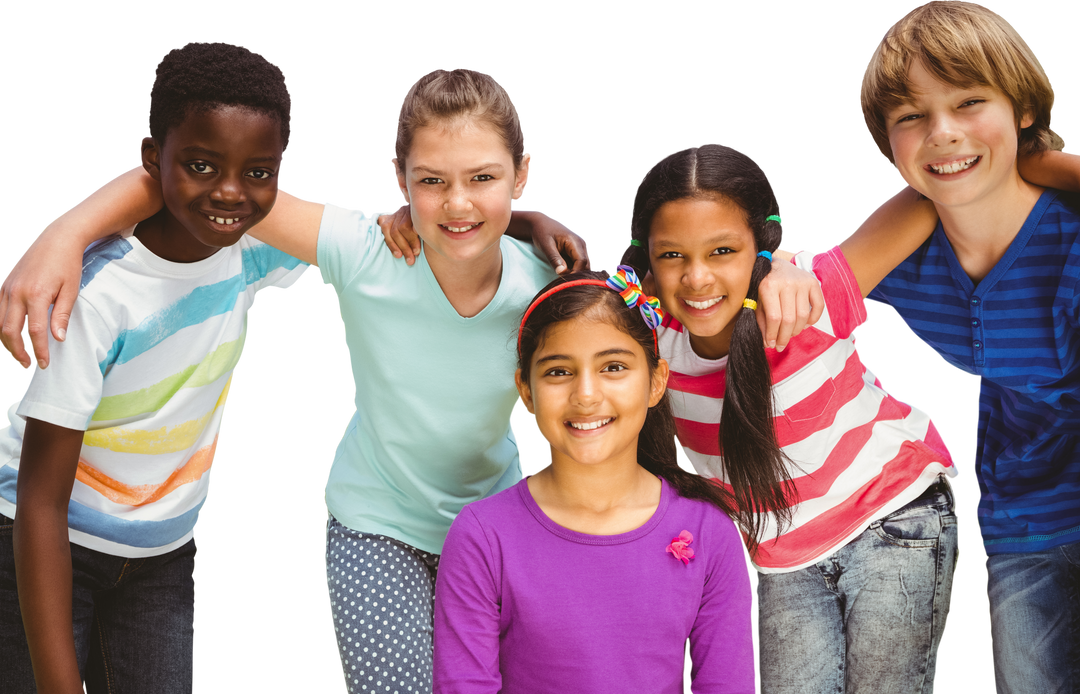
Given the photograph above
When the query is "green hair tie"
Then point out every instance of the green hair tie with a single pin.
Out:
(635, 242)
(773, 218)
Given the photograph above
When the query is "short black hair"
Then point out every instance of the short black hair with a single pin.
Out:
(202, 76)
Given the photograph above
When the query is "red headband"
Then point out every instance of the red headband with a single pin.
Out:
(558, 288)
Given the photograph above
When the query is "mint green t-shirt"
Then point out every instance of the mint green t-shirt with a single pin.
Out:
(434, 390)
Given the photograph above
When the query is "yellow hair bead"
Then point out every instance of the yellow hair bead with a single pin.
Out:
(750, 304)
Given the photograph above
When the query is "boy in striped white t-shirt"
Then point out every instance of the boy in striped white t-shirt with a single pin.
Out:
(106, 462)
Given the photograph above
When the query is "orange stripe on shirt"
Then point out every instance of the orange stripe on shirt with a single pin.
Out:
(138, 495)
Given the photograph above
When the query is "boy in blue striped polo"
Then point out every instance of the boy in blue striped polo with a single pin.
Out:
(951, 96)
(106, 463)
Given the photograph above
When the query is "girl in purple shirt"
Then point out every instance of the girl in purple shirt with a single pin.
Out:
(591, 575)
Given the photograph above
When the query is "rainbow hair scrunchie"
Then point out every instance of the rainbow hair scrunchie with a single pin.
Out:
(626, 283)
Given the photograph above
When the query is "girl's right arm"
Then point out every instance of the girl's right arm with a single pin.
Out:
(467, 613)
(50, 271)
(50, 457)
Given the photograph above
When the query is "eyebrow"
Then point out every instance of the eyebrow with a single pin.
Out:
(605, 353)
(211, 153)
(717, 240)
(475, 170)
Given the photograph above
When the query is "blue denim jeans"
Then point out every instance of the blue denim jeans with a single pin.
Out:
(1035, 620)
(132, 618)
(870, 616)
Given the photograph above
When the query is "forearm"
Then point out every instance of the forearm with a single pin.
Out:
(888, 236)
(43, 574)
(1051, 170)
(521, 225)
(292, 227)
(120, 204)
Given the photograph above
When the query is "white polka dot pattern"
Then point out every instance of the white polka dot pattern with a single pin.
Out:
(382, 595)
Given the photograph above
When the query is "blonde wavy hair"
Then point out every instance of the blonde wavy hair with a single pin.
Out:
(964, 45)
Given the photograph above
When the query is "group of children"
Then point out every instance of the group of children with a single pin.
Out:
(593, 574)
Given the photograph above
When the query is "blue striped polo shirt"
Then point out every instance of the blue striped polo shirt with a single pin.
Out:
(1017, 329)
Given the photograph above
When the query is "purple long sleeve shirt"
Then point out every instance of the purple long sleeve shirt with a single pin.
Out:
(525, 605)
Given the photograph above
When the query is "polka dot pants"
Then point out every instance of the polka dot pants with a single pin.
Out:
(382, 595)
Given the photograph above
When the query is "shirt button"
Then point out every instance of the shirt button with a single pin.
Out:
(975, 322)
(974, 301)
(977, 344)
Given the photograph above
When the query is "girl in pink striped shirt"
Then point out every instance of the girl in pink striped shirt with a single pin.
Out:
(840, 488)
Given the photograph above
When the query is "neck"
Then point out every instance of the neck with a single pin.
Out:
(593, 489)
(470, 285)
(981, 231)
(167, 239)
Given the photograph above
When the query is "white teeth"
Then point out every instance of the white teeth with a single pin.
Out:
(702, 305)
(458, 230)
(223, 220)
(953, 166)
(589, 426)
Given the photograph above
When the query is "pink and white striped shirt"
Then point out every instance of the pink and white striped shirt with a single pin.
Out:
(858, 453)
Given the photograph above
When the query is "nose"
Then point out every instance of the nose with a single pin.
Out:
(943, 130)
(587, 391)
(228, 190)
(696, 276)
(457, 200)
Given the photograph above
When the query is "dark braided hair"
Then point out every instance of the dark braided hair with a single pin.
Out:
(204, 76)
(754, 465)
(656, 444)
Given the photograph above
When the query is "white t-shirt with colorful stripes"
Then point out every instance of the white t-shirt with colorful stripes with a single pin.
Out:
(858, 453)
(145, 371)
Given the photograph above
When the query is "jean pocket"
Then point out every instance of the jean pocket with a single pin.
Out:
(919, 524)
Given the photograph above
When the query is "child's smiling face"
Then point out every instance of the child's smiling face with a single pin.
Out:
(459, 179)
(590, 388)
(218, 173)
(702, 255)
(955, 145)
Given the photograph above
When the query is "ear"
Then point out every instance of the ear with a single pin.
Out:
(648, 283)
(521, 176)
(524, 391)
(151, 158)
(401, 180)
(1027, 121)
(659, 382)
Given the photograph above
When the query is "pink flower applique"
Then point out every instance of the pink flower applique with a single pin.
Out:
(680, 547)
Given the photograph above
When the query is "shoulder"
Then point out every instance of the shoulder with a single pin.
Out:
(101, 255)
(526, 265)
(498, 507)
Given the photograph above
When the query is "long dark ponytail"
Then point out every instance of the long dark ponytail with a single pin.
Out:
(754, 465)
(656, 450)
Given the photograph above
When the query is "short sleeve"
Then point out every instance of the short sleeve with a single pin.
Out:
(69, 391)
(467, 612)
(721, 642)
(347, 241)
(844, 306)
(266, 266)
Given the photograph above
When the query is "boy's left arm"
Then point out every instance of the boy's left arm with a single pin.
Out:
(557, 242)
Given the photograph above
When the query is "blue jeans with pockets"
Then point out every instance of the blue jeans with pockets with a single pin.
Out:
(132, 618)
(1035, 620)
(868, 618)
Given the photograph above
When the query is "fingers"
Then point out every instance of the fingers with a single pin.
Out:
(386, 225)
(549, 246)
(577, 252)
(65, 302)
(402, 230)
(11, 329)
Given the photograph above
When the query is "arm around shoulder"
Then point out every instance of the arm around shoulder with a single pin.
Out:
(293, 227)
(51, 268)
(888, 236)
(1051, 169)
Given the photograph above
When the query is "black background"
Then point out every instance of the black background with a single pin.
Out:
(598, 105)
